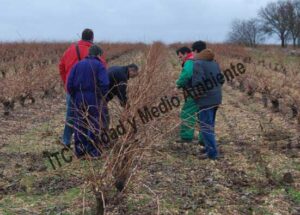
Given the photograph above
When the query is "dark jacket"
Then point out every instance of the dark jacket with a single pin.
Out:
(207, 80)
(88, 81)
(118, 77)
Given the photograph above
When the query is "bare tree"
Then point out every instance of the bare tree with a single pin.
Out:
(246, 32)
(293, 18)
(274, 19)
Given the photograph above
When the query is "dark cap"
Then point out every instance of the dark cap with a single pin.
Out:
(95, 50)
(199, 46)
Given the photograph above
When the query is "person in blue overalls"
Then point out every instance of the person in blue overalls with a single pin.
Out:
(88, 84)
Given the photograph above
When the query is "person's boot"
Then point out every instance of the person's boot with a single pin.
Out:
(200, 140)
(180, 140)
(201, 143)
(203, 156)
(120, 183)
(203, 151)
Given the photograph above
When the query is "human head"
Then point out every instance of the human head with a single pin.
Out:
(95, 51)
(198, 46)
(183, 52)
(87, 35)
(133, 70)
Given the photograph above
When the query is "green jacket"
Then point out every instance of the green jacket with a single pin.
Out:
(186, 74)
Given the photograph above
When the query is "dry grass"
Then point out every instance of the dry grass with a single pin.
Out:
(161, 179)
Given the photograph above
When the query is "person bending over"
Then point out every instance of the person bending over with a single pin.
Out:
(118, 77)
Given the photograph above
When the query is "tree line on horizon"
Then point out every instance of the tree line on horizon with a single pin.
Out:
(280, 18)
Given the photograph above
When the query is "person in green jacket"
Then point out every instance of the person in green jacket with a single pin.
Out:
(189, 109)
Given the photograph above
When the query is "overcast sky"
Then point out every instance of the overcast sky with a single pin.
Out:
(123, 20)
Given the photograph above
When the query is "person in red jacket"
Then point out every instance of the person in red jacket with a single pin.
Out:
(71, 56)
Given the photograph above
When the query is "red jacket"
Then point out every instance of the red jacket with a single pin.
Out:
(69, 59)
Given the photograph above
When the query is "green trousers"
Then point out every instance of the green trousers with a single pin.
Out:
(188, 120)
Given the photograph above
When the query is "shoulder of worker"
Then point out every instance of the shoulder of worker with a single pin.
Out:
(188, 65)
(189, 62)
(116, 69)
(118, 72)
(84, 43)
(88, 60)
